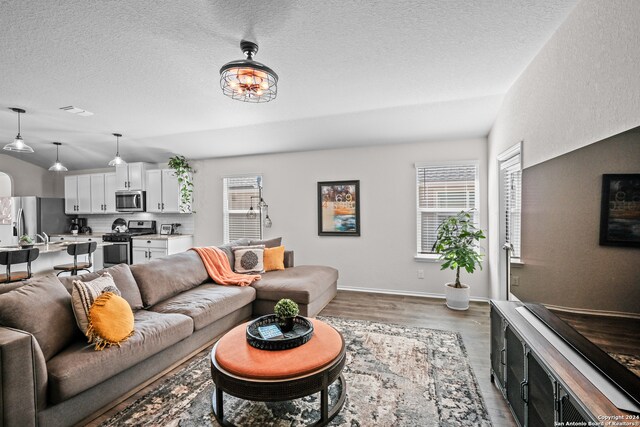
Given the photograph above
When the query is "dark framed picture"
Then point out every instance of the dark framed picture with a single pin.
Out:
(620, 210)
(339, 208)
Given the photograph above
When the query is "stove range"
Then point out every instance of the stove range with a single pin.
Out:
(122, 251)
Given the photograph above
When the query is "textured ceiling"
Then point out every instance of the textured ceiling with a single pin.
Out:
(351, 73)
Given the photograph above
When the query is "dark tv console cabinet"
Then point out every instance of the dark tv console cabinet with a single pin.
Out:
(541, 386)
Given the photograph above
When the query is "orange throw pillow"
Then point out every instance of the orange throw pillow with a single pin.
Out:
(110, 321)
(274, 258)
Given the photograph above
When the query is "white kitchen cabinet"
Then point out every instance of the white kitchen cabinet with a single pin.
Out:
(146, 248)
(77, 194)
(163, 191)
(131, 176)
(154, 190)
(103, 199)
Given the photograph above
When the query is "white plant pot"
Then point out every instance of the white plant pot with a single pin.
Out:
(457, 298)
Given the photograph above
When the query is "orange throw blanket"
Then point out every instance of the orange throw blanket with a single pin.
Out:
(217, 265)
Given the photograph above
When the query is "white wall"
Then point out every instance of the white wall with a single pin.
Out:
(383, 257)
(582, 87)
(31, 180)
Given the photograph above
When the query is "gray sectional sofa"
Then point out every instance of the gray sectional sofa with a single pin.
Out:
(177, 311)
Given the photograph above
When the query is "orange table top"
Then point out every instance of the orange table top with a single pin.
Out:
(237, 357)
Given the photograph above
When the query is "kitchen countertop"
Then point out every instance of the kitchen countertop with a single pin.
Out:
(51, 247)
(78, 235)
(162, 236)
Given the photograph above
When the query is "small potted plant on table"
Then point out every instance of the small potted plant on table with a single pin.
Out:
(457, 243)
(286, 310)
(25, 241)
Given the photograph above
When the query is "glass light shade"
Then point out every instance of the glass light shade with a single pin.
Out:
(251, 214)
(117, 160)
(19, 146)
(267, 222)
(58, 167)
(248, 81)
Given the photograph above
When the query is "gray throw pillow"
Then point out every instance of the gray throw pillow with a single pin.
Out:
(41, 307)
(227, 248)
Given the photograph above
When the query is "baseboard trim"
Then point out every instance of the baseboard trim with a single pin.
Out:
(591, 312)
(404, 293)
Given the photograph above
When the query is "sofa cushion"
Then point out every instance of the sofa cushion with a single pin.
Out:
(165, 277)
(270, 243)
(84, 294)
(227, 248)
(207, 303)
(302, 284)
(122, 277)
(79, 367)
(42, 307)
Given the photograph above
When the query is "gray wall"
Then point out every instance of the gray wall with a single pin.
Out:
(582, 87)
(382, 259)
(31, 180)
(564, 264)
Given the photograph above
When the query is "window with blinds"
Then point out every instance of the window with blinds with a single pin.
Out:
(511, 174)
(237, 195)
(443, 190)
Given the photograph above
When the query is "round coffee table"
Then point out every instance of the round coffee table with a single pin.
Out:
(274, 376)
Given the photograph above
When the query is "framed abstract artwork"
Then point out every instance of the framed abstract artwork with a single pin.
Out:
(339, 208)
(620, 210)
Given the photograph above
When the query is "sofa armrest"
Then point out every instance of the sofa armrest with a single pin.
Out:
(22, 378)
(288, 259)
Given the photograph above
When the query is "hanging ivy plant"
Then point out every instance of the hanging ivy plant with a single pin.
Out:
(184, 172)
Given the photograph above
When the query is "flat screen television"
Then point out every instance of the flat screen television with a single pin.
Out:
(583, 287)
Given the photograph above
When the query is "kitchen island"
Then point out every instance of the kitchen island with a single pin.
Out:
(54, 254)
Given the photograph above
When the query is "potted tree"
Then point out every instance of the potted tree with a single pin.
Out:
(457, 243)
(286, 310)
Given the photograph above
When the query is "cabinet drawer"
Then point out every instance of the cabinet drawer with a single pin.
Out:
(150, 243)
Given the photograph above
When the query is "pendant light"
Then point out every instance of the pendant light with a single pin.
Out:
(57, 166)
(247, 80)
(18, 144)
(117, 160)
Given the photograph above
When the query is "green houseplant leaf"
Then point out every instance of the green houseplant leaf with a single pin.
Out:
(457, 240)
(184, 172)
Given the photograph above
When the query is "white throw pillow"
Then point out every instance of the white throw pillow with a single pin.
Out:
(249, 259)
(83, 294)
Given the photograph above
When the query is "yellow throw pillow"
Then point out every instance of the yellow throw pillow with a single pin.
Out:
(274, 258)
(110, 321)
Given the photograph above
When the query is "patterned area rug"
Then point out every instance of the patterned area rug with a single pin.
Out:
(396, 376)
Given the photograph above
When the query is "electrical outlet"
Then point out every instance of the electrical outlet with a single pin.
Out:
(420, 274)
(515, 280)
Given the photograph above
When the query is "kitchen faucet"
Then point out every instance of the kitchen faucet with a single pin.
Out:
(43, 237)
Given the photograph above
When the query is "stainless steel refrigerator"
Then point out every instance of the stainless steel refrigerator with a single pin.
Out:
(30, 215)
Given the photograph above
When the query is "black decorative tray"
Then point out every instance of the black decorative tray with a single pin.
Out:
(300, 334)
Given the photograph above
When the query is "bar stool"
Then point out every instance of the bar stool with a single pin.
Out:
(21, 256)
(75, 250)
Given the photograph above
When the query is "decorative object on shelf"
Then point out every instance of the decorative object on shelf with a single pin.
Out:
(286, 310)
(261, 207)
(247, 80)
(301, 333)
(25, 241)
(117, 160)
(165, 229)
(184, 172)
(18, 144)
(339, 208)
(457, 240)
(620, 210)
(57, 166)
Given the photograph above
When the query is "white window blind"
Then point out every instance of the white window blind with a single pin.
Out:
(511, 172)
(237, 193)
(442, 191)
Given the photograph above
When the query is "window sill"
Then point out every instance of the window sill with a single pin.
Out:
(427, 258)
(517, 263)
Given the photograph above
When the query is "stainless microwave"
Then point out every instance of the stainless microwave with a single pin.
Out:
(130, 201)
